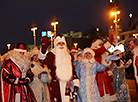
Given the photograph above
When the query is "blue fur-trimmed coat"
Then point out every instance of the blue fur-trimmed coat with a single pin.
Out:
(86, 72)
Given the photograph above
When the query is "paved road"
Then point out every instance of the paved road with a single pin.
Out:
(132, 90)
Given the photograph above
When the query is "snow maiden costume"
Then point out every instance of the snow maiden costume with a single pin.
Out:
(119, 80)
(86, 72)
(41, 78)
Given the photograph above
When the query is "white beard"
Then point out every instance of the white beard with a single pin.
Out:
(63, 64)
(22, 61)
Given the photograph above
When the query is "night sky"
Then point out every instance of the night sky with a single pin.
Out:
(17, 16)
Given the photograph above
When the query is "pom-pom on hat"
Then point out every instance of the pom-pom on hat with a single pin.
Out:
(73, 49)
(96, 43)
(88, 50)
(59, 39)
(34, 51)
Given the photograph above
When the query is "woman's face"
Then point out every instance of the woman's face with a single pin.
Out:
(88, 55)
(35, 58)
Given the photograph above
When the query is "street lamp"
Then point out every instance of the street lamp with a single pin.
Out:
(50, 34)
(8, 45)
(130, 15)
(34, 29)
(115, 21)
(135, 35)
(54, 23)
(75, 44)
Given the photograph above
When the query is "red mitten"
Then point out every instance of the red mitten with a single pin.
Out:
(111, 39)
(45, 42)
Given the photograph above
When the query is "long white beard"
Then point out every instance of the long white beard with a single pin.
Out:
(63, 64)
(22, 61)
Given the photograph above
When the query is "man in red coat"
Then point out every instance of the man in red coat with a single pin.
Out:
(60, 64)
(104, 78)
(16, 76)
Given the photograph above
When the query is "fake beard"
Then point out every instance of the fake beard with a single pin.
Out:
(22, 61)
(63, 64)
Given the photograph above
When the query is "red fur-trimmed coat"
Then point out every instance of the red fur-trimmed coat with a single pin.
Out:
(54, 87)
(11, 92)
(103, 77)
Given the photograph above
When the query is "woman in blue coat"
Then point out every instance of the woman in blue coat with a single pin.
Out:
(86, 71)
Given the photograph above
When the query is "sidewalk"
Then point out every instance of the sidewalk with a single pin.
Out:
(132, 90)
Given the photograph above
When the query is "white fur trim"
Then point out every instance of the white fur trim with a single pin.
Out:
(76, 82)
(109, 72)
(41, 56)
(28, 79)
(16, 81)
(62, 90)
(107, 45)
(59, 39)
(113, 97)
(19, 50)
(17, 97)
(84, 60)
(73, 50)
(88, 50)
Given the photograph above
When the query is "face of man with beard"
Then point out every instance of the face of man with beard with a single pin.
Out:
(61, 45)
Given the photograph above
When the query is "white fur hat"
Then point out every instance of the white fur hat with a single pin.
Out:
(59, 39)
(88, 50)
(34, 51)
(96, 43)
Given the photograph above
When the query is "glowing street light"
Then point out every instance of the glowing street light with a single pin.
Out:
(54, 23)
(75, 44)
(115, 21)
(97, 29)
(8, 45)
(130, 15)
(135, 35)
(50, 34)
(34, 29)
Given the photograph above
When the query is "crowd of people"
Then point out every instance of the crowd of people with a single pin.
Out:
(62, 75)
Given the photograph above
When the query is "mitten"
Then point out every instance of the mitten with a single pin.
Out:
(45, 42)
(43, 77)
(112, 57)
(74, 93)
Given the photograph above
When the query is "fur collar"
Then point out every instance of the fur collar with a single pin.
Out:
(22, 61)
(84, 60)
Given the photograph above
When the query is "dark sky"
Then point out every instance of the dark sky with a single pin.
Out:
(17, 16)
